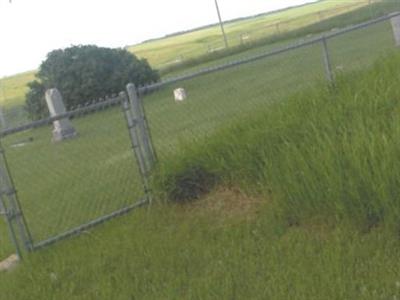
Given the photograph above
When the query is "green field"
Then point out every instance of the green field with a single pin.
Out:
(303, 180)
(171, 50)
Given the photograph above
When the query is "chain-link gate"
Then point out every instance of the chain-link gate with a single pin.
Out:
(67, 187)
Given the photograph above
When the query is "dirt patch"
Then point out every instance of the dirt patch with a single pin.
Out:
(9, 263)
(225, 203)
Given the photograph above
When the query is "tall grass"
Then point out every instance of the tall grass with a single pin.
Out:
(330, 152)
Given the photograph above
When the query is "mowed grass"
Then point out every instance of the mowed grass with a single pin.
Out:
(316, 217)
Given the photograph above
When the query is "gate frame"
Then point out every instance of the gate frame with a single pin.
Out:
(10, 206)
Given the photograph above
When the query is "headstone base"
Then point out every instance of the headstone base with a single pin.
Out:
(64, 134)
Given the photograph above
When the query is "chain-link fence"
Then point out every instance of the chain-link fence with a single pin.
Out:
(224, 94)
(95, 176)
(68, 186)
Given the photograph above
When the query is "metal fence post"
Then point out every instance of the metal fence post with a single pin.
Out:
(138, 114)
(327, 60)
(5, 212)
(395, 22)
(12, 208)
(371, 12)
(135, 142)
(278, 28)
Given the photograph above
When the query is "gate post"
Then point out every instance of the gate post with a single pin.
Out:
(327, 61)
(132, 124)
(138, 113)
(11, 208)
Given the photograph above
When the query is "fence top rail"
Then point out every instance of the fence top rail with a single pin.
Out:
(75, 112)
(296, 45)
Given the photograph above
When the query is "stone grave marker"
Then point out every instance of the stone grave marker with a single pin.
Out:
(62, 128)
(180, 94)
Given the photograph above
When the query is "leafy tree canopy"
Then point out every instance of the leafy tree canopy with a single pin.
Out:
(82, 73)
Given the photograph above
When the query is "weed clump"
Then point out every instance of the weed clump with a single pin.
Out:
(190, 184)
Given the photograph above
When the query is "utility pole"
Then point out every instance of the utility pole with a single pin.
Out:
(221, 24)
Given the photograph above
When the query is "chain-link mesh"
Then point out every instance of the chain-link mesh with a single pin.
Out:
(12, 116)
(62, 185)
(359, 49)
(6, 246)
(219, 98)
(226, 95)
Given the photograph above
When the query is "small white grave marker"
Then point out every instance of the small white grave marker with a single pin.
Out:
(62, 128)
(180, 94)
(396, 29)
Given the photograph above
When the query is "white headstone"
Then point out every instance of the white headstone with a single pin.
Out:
(62, 128)
(180, 94)
(396, 29)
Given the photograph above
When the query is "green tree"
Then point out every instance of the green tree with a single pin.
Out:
(84, 73)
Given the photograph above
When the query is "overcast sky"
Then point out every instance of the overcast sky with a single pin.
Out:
(29, 29)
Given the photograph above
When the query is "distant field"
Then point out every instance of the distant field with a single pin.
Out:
(170, 50)
(12, 97)
(13, 89)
